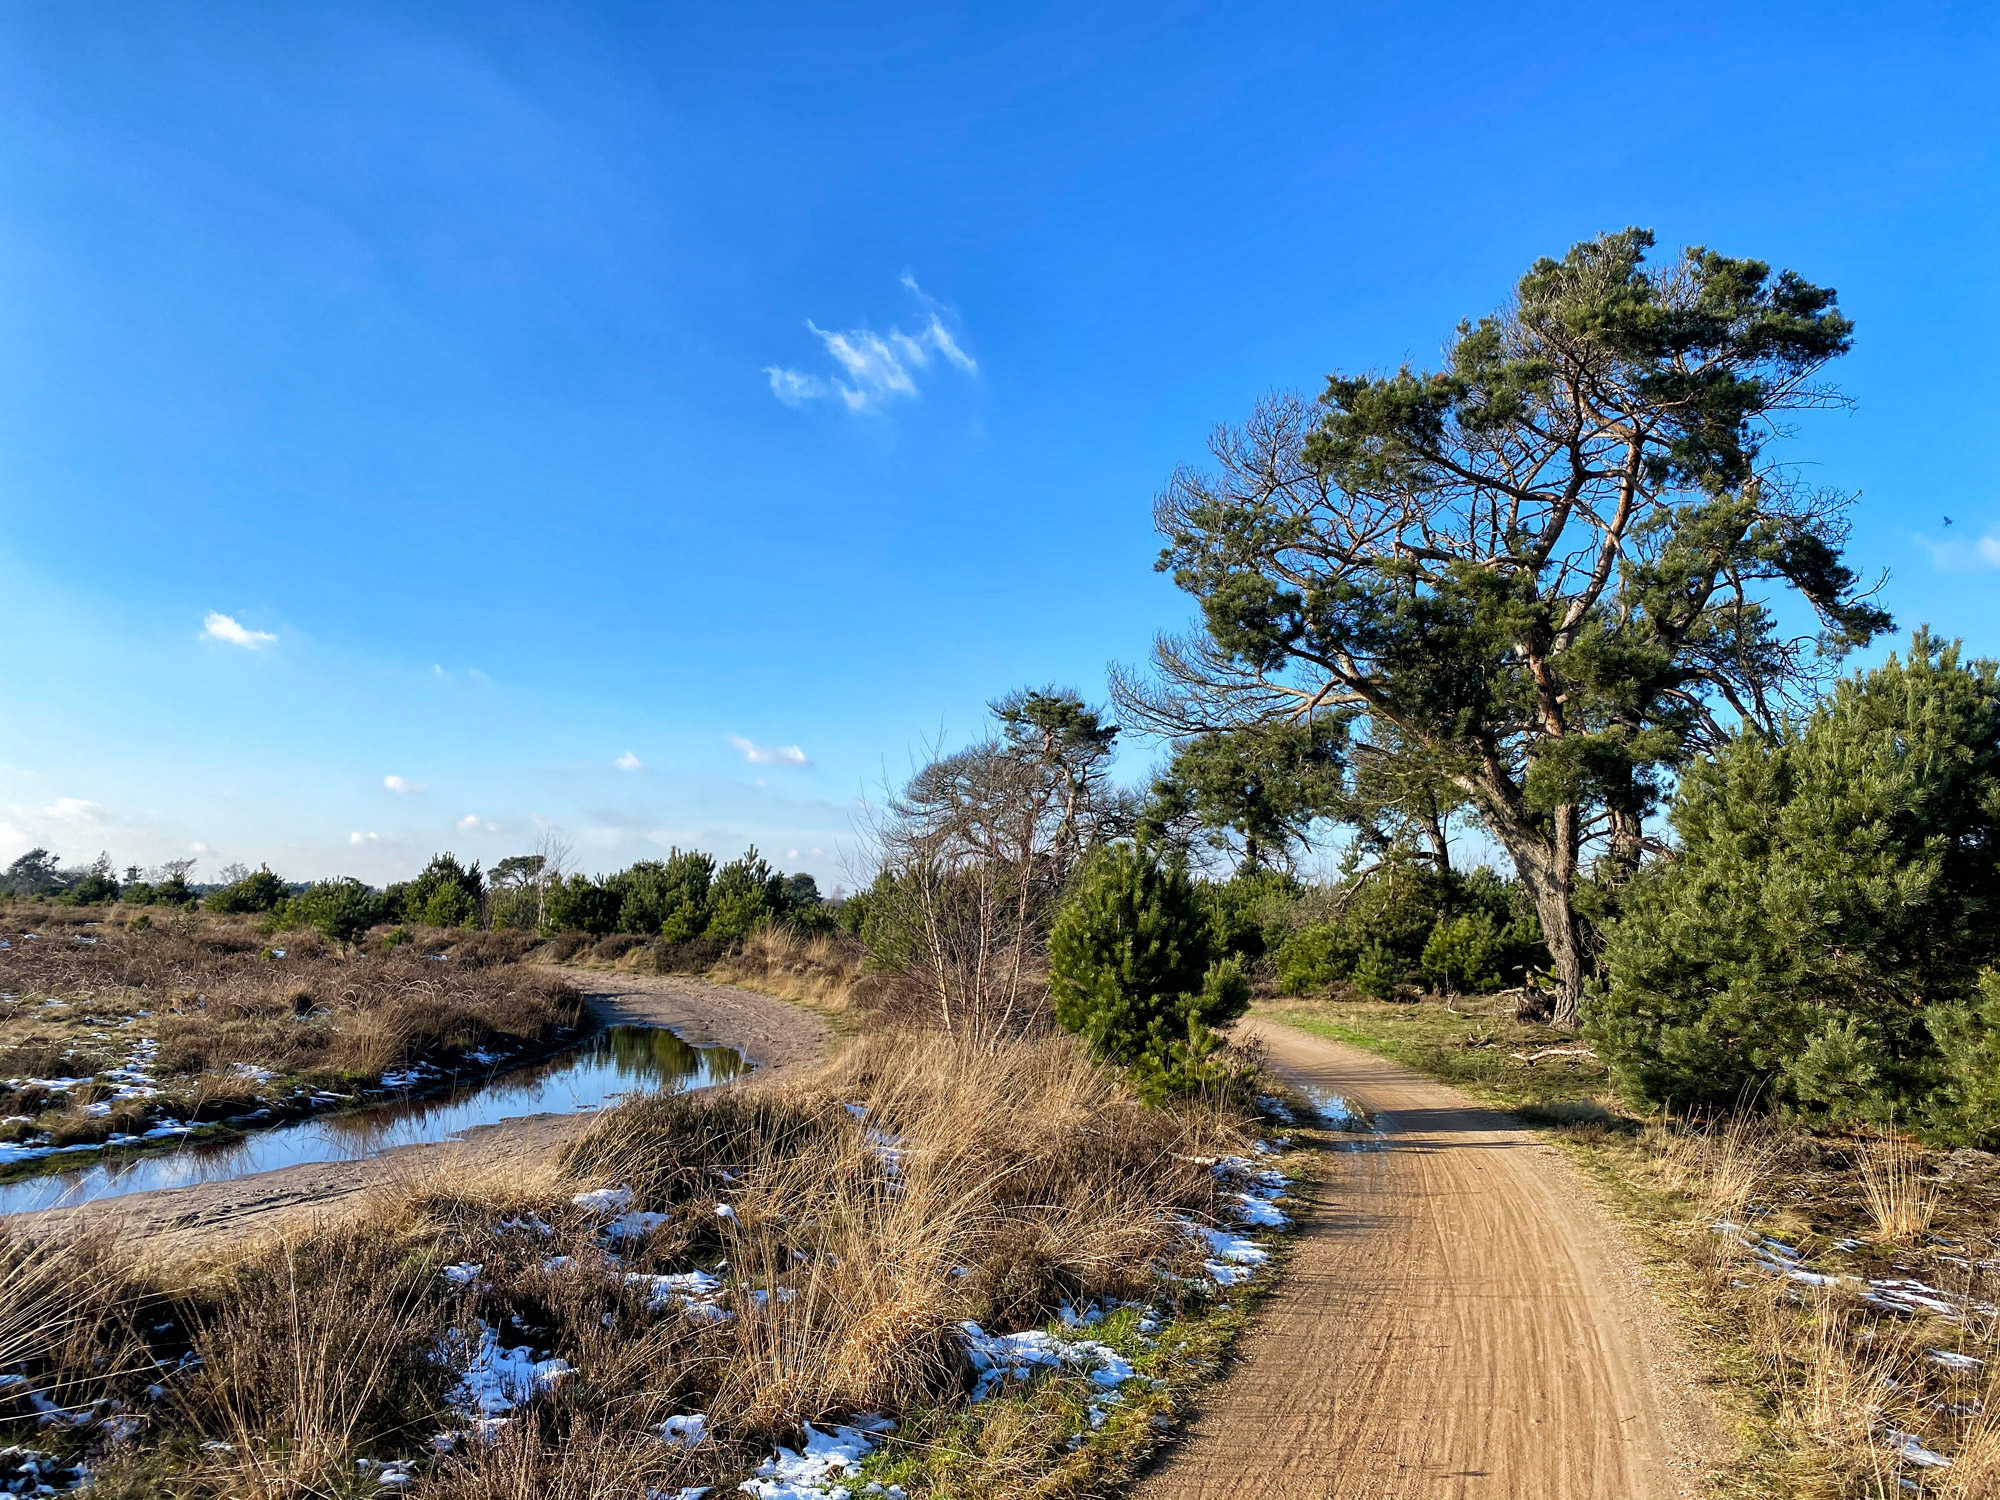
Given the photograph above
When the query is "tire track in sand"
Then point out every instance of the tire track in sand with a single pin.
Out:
(1461, 1321)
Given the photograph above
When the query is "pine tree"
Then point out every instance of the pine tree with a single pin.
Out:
(1834, 898)
(1536, 576)
(1130, 961)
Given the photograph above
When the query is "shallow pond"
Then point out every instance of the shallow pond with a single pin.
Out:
(600, 1070)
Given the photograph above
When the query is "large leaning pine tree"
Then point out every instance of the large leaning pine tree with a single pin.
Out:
(1544, 574)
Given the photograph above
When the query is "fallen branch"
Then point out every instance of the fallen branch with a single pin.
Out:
(1531, 1058)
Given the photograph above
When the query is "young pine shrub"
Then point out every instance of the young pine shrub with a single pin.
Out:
(1132, 970)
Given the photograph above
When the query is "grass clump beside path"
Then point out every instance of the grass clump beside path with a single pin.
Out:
(704, 1290)
(135, 1034)
(1843, 1288)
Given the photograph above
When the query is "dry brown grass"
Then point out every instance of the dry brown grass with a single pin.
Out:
(1845, 1380)
(1900, 1201)
(218, 1006)
(823, 970)
(1022, 1176)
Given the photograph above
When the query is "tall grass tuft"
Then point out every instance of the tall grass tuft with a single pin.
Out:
(1901, 1203)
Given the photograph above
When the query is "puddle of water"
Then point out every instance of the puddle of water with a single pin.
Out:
(1339, 1113)
(603, 1068)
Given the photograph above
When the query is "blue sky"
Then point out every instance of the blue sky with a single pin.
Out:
(661, 422)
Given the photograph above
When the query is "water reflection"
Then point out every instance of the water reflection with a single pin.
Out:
(616, 1061)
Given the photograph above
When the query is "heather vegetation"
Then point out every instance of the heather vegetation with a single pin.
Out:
(150, 1033)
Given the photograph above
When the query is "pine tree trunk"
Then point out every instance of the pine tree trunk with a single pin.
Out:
(1546, 863)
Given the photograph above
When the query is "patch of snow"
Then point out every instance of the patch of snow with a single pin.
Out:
(1911, 1449)
(1954, 1361)
(1258, 1211)
(724, 1211)
(462, 1274)
(684, 1432)
(818, 1472)
(27, 1471)
(1090, 1317)
(633, 1226)
(999, 1357)
(1233, 1258)
(697, 1293)
(604, 1200)
(390, 1474)
(496, 1379)
(1276, 1108)
(529, 1221)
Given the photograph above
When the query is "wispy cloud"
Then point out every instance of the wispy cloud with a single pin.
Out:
(875, 367)
(1966, 554)
(404, 786)
(220, 627)
(629, 762)
(364, 838)
(769, 755)
(73, 810)
(472, 820)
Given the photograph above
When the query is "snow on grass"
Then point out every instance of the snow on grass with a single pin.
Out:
(684, 1432)
(1897, 1294)
(604, 1200)
(1232, 1258)
(26, 1471)
(999, 1357)
(1955, 1361)
(1257, 1211)
(493, 1380)
(390, 1474)
(698, 1293)
(1910, 1449)
(462, 1274)
(633, 1226)
(820, 1471)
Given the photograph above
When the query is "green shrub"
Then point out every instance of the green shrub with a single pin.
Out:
(1377, 972)
(447, 894)
(1132, 967)
(258, 891)
(1816, 943)
(340, 910)
(747, 894)
(668, 897)
(1463, 953)
(1241, 911)
(1321, 955)
(580, 904)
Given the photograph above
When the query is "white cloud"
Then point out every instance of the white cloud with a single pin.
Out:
(877, 367)
(629, 762)
(72, 810)
(769, 755)
(363, 838)
(220, 627)
(403, 785)
(1964, 554)
(473, 820)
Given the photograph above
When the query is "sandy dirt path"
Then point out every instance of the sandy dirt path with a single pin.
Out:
(1461, 1319)
(776, 1036)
